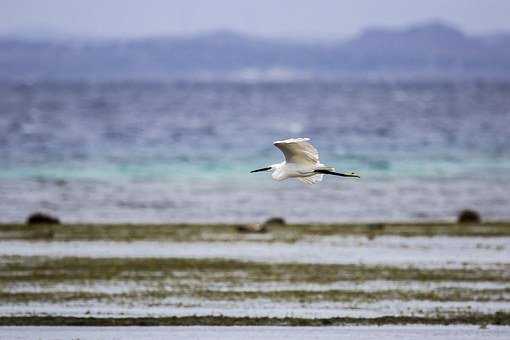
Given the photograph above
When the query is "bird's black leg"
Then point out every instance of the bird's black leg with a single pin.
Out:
(327, 172)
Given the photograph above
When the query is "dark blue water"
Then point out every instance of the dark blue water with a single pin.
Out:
(182, 151)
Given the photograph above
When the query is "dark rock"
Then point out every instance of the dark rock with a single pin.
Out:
(40, 218)
(469, 217)
(275, 221)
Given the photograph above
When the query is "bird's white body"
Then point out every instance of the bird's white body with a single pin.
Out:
(304, 173)
(301, 162)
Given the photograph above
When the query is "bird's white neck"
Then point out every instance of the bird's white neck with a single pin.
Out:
(277, 166)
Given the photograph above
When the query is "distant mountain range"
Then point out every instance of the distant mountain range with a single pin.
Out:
(430, 49)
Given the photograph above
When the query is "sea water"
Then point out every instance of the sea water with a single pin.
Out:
(182, 151)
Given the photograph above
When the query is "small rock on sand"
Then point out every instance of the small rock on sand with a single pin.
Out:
(252, 228)
(41, 218)
(275, 221)
(468, 216)
(261, 227)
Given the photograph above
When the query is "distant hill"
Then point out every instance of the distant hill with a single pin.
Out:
(428, 49)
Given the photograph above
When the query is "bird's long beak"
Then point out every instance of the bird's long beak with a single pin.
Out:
(263, 169)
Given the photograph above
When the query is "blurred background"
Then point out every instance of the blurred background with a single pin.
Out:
(156, 111)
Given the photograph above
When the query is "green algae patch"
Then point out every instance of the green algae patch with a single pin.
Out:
(498, 318)
(227, 232)
(78, 269)
(284, 296)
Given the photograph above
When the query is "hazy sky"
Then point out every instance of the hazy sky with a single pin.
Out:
(295, 18)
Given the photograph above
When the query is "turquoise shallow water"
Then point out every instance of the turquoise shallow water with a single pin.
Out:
(182, 151)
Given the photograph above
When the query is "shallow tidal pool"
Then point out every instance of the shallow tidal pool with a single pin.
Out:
(257, 332)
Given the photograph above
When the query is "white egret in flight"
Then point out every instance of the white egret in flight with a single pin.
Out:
(301, 162)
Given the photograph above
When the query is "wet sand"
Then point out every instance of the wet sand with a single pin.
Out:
(292, 275)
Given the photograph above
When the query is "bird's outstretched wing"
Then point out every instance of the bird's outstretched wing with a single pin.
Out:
(298, 151)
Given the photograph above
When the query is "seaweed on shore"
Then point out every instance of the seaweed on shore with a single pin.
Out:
(227, 232)
(498, 318)
(47, 269)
